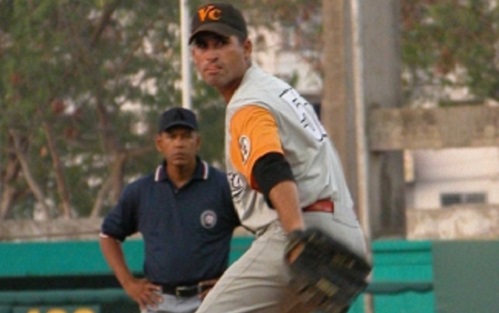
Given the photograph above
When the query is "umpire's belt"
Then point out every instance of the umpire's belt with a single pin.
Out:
(320, 206)
(184, 291)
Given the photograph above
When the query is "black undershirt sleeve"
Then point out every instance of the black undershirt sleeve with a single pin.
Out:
(269, 170)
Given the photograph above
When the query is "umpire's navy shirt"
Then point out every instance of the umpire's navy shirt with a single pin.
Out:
(186, 231)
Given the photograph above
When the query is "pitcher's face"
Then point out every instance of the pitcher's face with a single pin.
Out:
(221, 61)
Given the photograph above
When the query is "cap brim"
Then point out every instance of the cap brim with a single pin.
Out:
(217, 28)
(179, 124)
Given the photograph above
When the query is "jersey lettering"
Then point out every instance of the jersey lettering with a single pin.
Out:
(308, 120)
(236, 184)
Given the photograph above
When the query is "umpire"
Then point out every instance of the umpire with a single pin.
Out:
(185, 215)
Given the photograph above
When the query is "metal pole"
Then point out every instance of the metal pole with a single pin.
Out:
(360, 123)
(184, 41)
(360, 133)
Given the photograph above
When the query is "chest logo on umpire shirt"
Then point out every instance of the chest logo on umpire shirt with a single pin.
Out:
(245, 147)
(208, 219)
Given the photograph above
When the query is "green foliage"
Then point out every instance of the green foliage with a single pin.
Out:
(451, 43)
(76, 66)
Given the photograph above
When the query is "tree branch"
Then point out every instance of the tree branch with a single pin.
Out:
(10, 174)
(59, 172)
(32, 183)
(104, 21)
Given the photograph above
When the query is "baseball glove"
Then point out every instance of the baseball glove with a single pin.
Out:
(326, 275)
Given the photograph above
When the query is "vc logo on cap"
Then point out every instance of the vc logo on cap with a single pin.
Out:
(209, 13)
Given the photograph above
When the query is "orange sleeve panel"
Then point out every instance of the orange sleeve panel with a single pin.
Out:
(254, 133)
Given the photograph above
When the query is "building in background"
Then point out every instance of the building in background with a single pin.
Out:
(450, 177)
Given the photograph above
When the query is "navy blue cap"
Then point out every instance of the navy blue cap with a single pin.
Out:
(177, 117)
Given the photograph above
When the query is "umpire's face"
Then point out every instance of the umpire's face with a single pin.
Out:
(179, 146)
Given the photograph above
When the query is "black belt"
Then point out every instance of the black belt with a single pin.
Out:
(186, 291)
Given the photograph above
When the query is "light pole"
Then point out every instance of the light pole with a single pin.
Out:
(184, 41)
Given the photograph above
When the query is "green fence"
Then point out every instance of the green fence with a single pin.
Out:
(70, 276)
(403, 277)
(408, 276)
(73, 277)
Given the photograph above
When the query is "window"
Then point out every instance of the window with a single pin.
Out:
(448, 199)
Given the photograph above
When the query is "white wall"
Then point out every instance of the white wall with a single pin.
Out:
(453, 171)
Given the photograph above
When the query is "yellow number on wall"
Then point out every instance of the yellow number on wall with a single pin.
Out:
(56, 310)
(84, 310)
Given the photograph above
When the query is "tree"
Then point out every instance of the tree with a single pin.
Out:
(450, 45)
(70, 72)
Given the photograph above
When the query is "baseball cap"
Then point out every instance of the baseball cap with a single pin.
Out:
(220, 18)
(177, 117)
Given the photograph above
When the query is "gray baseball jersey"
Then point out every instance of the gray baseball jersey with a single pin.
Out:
(304, 143)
